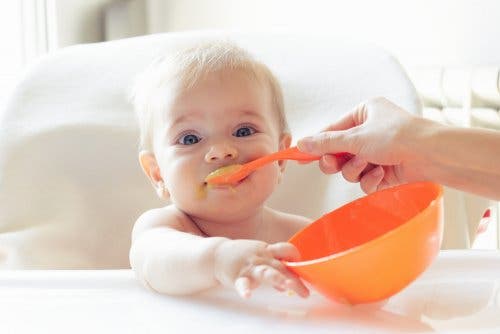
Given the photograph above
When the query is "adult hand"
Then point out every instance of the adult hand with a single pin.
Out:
(377, 135)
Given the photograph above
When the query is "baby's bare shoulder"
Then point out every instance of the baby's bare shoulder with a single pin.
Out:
(165, 217)
(285, 225)
(293, 220)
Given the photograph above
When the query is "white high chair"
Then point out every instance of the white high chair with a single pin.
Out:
(70, 183)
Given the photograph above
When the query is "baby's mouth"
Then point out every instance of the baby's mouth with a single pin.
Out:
(222, 171)
(205, 186)
(225, 185)
(222, 175)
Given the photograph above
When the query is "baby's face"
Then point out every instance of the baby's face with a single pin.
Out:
(227, 118)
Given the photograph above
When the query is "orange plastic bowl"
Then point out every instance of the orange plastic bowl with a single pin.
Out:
(373, 247)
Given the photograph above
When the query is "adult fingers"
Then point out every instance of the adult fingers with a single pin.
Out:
(337, 137)
(329, 142)
(370, 181)
(351, 119)
(330, 164)
(351, 171)
(345, 122)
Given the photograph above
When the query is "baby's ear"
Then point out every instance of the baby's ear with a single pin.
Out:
(152, 170)
(285, 142)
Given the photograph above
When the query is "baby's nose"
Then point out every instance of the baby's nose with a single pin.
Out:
(220, 153)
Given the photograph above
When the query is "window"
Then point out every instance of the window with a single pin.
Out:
(26, 31)
(11, 58)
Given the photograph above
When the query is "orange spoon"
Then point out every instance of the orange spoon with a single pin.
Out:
(235, 173)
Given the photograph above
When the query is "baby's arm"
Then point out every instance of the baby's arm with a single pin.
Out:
(167, 258)
(171, 259)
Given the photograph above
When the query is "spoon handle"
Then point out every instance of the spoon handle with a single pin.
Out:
(291, 153)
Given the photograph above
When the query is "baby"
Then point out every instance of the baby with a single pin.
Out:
(207, 107)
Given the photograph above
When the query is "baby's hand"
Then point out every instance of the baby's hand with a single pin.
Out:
(245, 264)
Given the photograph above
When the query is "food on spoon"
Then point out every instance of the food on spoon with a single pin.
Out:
(226, 170)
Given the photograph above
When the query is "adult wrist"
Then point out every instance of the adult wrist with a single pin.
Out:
(422, 141)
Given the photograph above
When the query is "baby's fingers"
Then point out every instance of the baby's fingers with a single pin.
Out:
(279, 280)
(295, 284)
(256, 276)
(243, 287)
(266, 274)
(284, 251)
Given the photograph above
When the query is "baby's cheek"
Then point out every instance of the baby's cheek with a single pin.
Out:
(270, 178)
(181, 182)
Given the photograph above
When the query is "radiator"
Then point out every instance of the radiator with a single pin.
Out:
(466, 97)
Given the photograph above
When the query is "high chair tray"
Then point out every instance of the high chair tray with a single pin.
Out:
(459, 292)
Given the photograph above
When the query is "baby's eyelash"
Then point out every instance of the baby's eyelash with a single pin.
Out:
(252, 130)
(188, 138)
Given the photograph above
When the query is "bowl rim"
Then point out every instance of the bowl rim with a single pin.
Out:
(372, 242)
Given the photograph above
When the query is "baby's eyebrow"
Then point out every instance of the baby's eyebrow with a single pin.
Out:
(185, 117)
(249, 112)
(182, 118)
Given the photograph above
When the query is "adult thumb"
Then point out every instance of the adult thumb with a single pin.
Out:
(328, 142)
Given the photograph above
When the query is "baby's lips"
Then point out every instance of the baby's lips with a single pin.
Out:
(224, 175)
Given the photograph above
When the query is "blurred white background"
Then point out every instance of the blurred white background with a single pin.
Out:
(418, 32)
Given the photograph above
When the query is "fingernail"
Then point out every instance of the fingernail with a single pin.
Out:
(306, 144)
(246, 294)
(328, 159)
(358, 162)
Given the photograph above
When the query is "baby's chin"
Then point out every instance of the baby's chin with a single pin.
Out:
(219, 206)
(222, 214)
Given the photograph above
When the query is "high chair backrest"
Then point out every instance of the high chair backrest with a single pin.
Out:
(70, 184)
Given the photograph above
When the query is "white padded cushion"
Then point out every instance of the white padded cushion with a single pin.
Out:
(71, 187)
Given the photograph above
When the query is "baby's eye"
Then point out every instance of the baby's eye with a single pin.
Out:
(244, 131)
(189, 139)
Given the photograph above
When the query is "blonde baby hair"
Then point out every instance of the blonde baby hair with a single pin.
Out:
(170, 74)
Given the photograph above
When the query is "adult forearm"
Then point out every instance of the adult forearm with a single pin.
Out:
(462, 158)
(174, 263)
